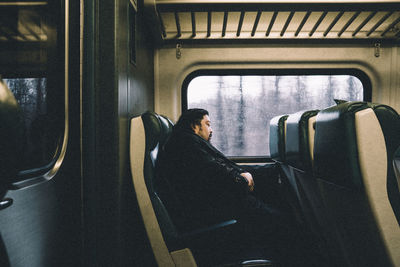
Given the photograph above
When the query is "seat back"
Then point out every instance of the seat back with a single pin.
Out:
(354, 147)
(299, 154)
(277, 148)
(277, 137)
(299, 157)
(147, 135)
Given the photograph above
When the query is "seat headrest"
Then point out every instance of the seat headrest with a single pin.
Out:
(336, 151)
(277, 133)
(166, 128)
(300, 139)
(157, 129)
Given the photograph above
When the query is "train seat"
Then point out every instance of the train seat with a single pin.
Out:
(170, 245)
(299, 155)
(353, 153)
(277, 139)
(300, 140)
(146, 133)
(299, 149)
(277, 146)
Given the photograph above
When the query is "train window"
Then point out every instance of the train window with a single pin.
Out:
(32, 53)
(241, 106)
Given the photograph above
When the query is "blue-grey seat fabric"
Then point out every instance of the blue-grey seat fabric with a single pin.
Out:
(353, 162)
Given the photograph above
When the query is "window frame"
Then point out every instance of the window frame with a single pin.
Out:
(362, 76)
(35, 175)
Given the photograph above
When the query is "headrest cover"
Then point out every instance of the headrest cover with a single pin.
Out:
(298, 152)
(335, 150)
(277, 138)
(166, 128)
(152, 127)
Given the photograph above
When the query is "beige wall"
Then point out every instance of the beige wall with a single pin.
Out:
(170, 72)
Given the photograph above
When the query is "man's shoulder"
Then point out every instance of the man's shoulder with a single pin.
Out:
(181, 136)
(184, 141)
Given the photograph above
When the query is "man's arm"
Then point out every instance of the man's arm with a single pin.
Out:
(212, 166)
(249, 179)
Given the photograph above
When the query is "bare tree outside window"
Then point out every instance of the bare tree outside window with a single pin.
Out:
(241, 106)
(31, 95)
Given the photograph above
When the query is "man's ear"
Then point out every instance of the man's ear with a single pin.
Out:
(195, 128)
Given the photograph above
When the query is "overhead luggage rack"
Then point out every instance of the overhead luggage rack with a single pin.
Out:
(275, 20)
(22, 22)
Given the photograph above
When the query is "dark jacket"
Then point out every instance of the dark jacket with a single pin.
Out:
(197, 183)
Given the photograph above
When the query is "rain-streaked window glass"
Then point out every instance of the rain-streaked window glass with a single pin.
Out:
(241, 107)
(31, 95)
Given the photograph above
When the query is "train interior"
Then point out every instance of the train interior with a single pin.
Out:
(90, 91)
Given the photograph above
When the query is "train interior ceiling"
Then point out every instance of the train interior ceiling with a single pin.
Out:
(272, 74)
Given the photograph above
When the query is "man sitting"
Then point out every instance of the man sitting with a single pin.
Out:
(209, 187)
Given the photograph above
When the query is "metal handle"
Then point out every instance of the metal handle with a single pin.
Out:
(5, 203)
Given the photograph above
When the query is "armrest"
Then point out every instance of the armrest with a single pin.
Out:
(214, 234)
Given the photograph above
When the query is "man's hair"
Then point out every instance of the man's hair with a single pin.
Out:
(190, 118)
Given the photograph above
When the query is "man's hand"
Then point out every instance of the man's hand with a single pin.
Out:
(249, 179)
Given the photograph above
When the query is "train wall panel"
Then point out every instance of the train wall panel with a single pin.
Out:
(383, 71)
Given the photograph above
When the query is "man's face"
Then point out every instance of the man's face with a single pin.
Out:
(204, 130)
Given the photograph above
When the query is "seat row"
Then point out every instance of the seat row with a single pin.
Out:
(341, 162)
